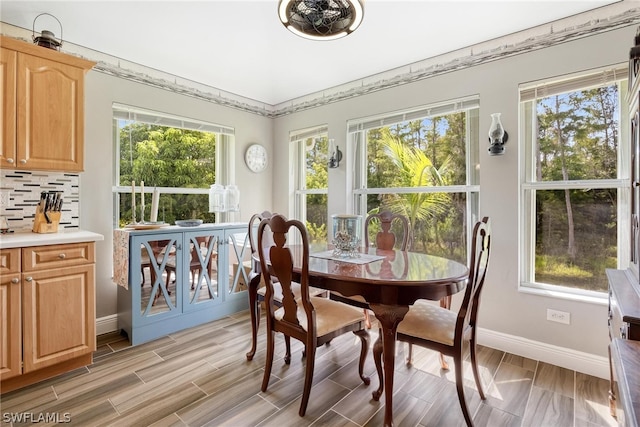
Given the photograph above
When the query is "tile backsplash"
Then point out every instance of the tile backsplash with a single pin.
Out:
(24, 189)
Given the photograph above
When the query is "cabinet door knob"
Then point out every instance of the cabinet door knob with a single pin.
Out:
(23, 162)
(62, 256)
(9, 160)
(15, 280)
(29, 279)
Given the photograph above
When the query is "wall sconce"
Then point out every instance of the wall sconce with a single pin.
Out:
(46, 38)
(497, 136)
(336, 156)
(224, 199)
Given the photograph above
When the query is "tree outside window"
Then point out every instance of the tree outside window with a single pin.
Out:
(572, 191)
(176, 158)
(313, 180)
(420, 168)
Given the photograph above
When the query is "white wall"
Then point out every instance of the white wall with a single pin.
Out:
(504, 309)
(96, 199)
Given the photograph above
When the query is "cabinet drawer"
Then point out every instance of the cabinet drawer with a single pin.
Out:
(9, 261)
(57, 256)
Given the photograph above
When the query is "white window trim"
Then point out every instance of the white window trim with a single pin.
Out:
(529, 93)
(300, 191)
(225, 154)
(357, 129)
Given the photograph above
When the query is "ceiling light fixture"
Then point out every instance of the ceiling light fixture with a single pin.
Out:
(321, 19)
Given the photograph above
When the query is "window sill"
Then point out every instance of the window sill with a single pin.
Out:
(597, 298)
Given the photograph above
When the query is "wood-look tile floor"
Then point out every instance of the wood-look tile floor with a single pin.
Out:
(200, 377)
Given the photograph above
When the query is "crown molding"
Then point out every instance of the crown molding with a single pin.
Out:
(568, 29)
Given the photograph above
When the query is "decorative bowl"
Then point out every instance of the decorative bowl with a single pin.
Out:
(188, 222)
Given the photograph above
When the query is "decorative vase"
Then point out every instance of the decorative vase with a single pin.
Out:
(347, 235)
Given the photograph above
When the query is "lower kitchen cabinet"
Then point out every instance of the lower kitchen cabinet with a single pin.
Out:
(10, 325)
(48, 312)
(179, 277)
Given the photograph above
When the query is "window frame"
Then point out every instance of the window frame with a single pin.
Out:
(297, 139)
(224, 155)
(528, 95)
(357, 137)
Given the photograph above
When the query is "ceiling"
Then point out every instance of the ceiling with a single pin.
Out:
(240, 46)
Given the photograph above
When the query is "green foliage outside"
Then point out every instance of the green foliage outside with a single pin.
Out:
(576, 229)
(317, 177)
(166, 157)
(422, 153)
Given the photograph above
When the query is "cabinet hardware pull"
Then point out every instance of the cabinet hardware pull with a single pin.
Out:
(10, 160)
(15, 280)
(62, 256)
(23, 162)
(29, 279)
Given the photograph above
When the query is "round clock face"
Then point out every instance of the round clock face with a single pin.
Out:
(256, 158)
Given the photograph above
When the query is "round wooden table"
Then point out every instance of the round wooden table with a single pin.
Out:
(389, 285)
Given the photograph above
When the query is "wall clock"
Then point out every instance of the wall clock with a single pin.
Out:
(256, 158)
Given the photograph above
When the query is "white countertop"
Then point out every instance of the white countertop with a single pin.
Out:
(27, 238)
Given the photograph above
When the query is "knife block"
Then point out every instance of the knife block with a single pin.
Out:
(40, 224)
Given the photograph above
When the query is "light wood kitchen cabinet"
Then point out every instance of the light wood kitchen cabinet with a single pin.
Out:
(43, 108)
(56, 323)
(10, 325)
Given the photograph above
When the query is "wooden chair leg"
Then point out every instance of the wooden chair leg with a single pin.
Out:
(445, 303)
(410, 354)
(254, 309)
(460, 390)
(443, 363)
(364, 349)
(377, 358)
(269, 360)
(367, 319)
(474, 366)
(287, 353)
(308, 378)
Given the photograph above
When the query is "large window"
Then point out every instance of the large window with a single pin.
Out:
(422, 163)
(311, 147)
(179, 157)
(572, 191)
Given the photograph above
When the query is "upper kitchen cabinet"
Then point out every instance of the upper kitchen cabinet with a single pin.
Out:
(42, 108)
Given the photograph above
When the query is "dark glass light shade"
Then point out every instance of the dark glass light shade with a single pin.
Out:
(321, 19)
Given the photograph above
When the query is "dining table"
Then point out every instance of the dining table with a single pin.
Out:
(390, 281)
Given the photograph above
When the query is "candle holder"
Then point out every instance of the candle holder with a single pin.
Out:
(347, 235)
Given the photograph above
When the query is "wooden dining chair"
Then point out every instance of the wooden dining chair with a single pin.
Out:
(446, 331)
(312, 320)
(385, 239)
(257, 289)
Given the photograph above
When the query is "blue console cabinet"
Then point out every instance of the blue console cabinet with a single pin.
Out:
(181, 277)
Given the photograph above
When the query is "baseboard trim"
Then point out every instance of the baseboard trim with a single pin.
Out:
(586, 363)
(106, 324)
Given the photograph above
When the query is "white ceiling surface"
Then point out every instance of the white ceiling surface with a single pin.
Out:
(240, 46)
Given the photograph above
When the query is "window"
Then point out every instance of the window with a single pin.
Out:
(311, 147)
(422, 163)
(180, 157)
(572, 190)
